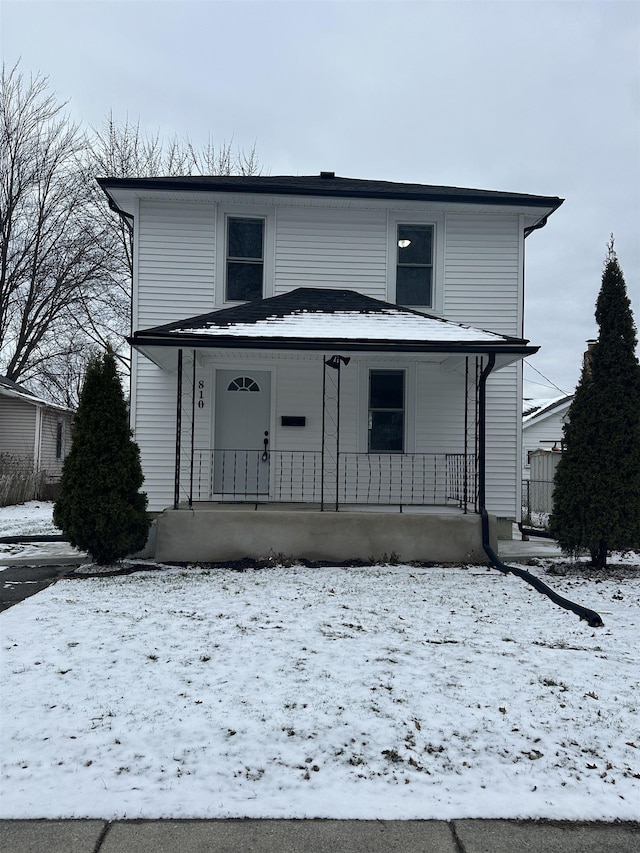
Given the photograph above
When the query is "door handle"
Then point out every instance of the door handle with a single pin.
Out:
(265, 454)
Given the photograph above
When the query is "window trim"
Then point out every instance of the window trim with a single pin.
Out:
(436, 221)
(223, 214)
(410, 377)
(60, 439)
(400, 372)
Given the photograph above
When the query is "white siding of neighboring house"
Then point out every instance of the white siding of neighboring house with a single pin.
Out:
(541, 434)
(29, 431)
(49, 460)
(345, 248)
(17, 427)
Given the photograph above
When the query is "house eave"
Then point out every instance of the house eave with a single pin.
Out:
(123, 192)
(158, 348)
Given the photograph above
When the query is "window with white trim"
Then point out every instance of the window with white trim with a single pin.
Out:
(244, 273)
(60, 440)
(386, 425)
(414, 265)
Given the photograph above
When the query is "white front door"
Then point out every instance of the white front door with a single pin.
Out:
(242, 422)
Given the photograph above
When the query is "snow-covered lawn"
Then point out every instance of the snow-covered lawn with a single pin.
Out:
(379, 692)
(31, 518)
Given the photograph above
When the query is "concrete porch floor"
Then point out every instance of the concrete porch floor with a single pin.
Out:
(250, 506)
(226, 531)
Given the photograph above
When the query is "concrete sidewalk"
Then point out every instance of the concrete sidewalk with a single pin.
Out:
(317, 836)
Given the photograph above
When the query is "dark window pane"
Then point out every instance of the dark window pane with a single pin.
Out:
(413, 286)
(245, 238)
(386, 389)
(386, 431)
(419, 249)
(244, 281)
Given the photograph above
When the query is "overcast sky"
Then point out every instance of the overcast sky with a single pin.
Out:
(533, 97)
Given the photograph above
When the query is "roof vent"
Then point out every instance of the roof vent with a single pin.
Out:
(327, 174)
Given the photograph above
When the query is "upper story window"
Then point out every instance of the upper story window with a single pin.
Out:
(414, 268)
(244, 259)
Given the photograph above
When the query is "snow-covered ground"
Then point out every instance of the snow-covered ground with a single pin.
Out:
(379, 692)
(31, 518)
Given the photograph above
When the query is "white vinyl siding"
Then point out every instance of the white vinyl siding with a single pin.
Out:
(479, 259)
(298, 391)
(333, 249)
(176, 244)
(155, 432)
(17, 427)
(440, 410)
(503, 459)
(28, 431)
(48, 440)
(483, 272)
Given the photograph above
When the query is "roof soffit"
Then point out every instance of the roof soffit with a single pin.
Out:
(127, 200)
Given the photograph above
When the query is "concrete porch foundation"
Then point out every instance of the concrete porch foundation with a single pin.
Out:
(231, 532)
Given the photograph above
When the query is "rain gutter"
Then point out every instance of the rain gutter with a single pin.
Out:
(593, 619)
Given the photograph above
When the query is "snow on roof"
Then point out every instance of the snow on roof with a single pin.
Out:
(322, 313)
(349, 325)
(535, 408)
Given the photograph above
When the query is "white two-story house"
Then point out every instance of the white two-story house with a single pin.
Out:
(303, 345)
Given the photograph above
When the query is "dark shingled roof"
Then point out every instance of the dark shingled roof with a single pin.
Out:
(317, 185)
(324, 299)
(13, 386)
(282, 322)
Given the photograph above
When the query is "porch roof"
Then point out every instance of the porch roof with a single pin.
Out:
(321, 318)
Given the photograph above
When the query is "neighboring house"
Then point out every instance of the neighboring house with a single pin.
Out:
(314, 343)
(35, 437)
(542, 427)
(542, 437)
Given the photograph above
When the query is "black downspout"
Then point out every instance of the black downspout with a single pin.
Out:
(531, 531)
(128, 220)
(593, 619)
(324, 402)
(176, 490)
(193, 428)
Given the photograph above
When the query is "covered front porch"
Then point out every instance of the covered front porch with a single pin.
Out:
(319, 405)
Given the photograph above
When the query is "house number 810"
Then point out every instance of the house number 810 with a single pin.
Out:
(201, 394)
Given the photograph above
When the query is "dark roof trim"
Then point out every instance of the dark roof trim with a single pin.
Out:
(5, 382)
(330, 187)
(140, 341)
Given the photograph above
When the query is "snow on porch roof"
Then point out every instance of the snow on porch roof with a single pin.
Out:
(310, 318)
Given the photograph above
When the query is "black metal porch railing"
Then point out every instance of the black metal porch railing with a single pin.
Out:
(296, 476)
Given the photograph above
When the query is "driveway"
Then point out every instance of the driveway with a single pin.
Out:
(18, 582)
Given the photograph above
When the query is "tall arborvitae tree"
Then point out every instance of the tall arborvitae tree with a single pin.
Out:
(100, 508)
(597, 484)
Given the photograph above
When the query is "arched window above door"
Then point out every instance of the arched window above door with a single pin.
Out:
(243, 383)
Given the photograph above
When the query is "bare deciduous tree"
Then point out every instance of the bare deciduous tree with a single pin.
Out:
(50, 259)
(66, 260)
(121, 150)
